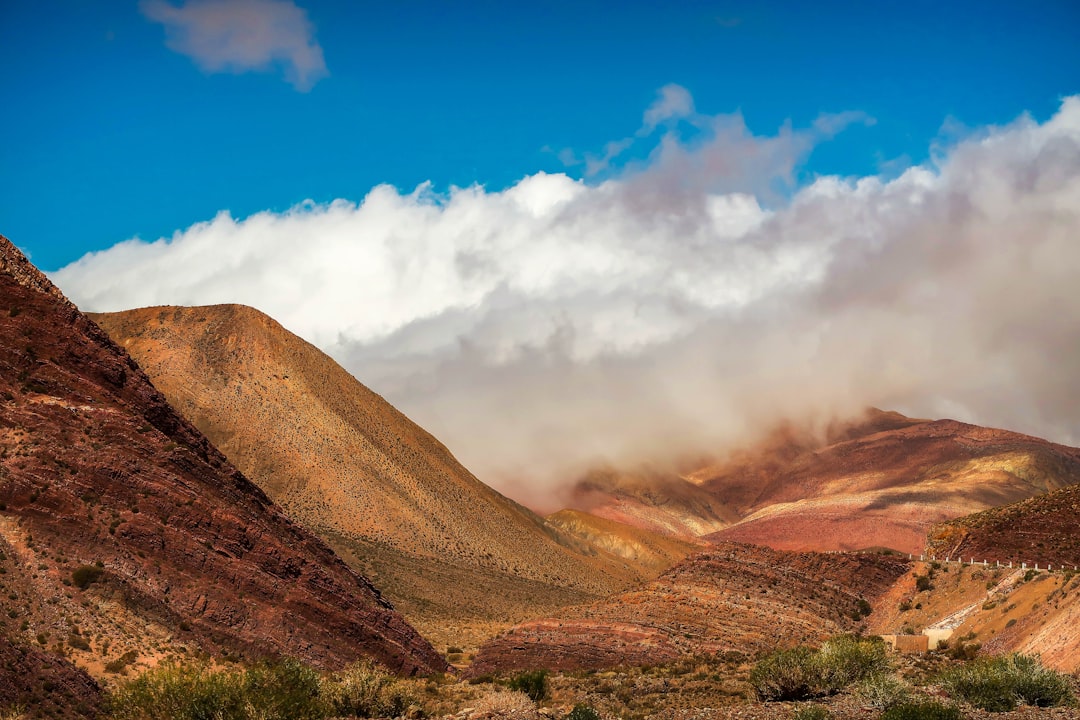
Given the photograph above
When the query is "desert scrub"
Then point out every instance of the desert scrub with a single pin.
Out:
(533, 683)
(882, 691)
(802, 673)
(85, 575)
(507, 704)
(365, 690)
(923, 710)
(285, 690)
(1001, 683)
(811, 712)
(582, 711)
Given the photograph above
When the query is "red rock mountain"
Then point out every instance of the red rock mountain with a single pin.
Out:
(879, 482)
(733, 597)
(1042, 530)
(130, 536)
(455, 556)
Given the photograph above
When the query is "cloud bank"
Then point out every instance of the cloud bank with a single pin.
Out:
(242, 35)
(675, 308)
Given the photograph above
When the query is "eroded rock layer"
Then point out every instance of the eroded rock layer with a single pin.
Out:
(123, 515)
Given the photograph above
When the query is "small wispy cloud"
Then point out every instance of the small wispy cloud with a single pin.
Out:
(674, 102)
(242, 35)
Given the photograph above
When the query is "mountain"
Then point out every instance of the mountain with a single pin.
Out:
(879, 481)
(733, 597)
(455, 556)
(652, 551)
(1043, 530)
(129, 537)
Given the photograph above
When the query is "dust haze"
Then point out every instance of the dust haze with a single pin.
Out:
(680, 303)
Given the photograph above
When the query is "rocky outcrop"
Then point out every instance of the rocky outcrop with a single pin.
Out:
(1043, 530)
(733, 598)
(98, 471)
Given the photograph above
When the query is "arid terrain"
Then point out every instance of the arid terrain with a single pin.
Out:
(878, 481)
(131, 536)
(456, 557)
(126, 536)
(733, 597)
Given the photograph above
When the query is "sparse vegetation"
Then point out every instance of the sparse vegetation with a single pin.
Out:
(999, 684)
(922, 710)
(812, 712)
(533, 683)
(582, 711)
(802, 673)
(85, 575)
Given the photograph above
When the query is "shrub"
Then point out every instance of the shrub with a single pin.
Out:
(85, 575)
(284, 690)
(365, 690)
(787, 675)
(582, 711)
(121, 663)
(180, 692)
(504, 704)
(924, 710)
(882, 691)
(801, 673)
(812, 712)
(999, 684)
(533, 683)
(847, 659)
(922, 583)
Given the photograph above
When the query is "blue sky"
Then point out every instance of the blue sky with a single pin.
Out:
(110, 134)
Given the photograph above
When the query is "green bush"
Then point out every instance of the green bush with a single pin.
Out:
(285, 690)
(999, 684)
(365, 690)
(533, 683)
(582, 711)
(787, 675)
(847, 659)
(812, 712)
(181, 692)
(84, 575)
(882, 691)
(801, 673)
(924, 710)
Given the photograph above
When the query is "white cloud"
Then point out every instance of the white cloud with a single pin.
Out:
(674, 102)
(242, 35)
(538, 329)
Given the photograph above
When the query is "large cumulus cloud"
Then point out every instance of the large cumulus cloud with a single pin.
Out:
(686, 303)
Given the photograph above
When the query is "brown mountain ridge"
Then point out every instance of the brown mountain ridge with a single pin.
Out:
(126, 530)
(455, 556)
(881, 480)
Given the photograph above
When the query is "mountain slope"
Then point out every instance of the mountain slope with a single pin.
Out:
(879, 481)
(449, 551)
(730, 598)
(1042, 530)
(885, 487)
(129, 531)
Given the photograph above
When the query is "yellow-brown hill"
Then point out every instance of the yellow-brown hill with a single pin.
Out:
(126, 536)
(455, 556)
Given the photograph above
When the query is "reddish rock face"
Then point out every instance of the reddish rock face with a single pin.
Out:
(1042, 530)
(96, 467)
(26, 672)
(734, 598)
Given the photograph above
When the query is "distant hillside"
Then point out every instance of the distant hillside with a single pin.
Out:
(880, 481)
(731, 598)
(127, 536)
(454, 555)
(1043, 529)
